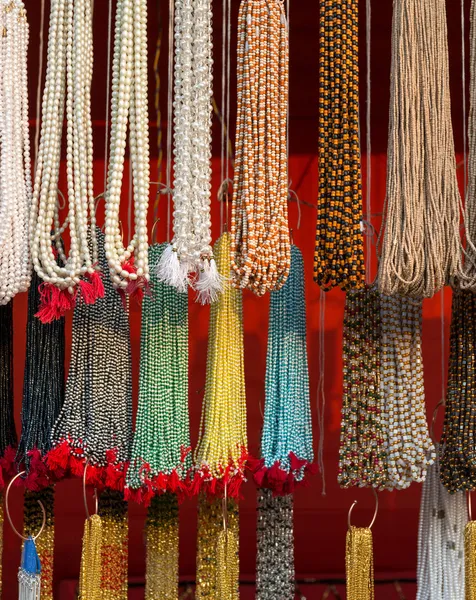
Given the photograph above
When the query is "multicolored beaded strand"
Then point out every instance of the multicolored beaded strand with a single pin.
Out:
(339, 251)
(161, 452)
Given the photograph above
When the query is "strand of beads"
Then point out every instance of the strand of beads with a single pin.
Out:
(95, 422)
(260, 246)
(458, 460)
(286, 441)
(45, 544)
(15, 178)
(68, 82)
(162, 541)
(8, 435)
(90, 575)
(443, 517)
(221, 451)
(161, 458)
(339, 252)
(362, 451)
(275, 576)
(189, 259)
(128, 266)
(43, 389)
(114, 548)
(410, 450)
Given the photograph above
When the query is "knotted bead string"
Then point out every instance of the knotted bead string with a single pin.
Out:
(260, 245)
(96, 419)
(275, 575)
(339, 252)
(8, 435)
(221, 451)
(161, 456)
(458, 459)
(286, 441)
(43, 389)
(15, 178)
(114, 547)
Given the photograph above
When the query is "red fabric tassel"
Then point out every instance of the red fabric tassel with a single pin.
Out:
(54, 303)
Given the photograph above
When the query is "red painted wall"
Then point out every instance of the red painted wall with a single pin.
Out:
(320, 521)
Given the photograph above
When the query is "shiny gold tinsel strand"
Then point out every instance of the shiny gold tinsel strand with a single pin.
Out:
(33, 519)
(90, 572)
(470, 560)
(359, 564)
(228, 566)
(114, 555)
(210, 525)
(162, 533)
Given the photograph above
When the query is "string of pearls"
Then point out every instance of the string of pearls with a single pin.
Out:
(443, 517)
(129, 266)
(68, 84)
(15, 179)
(189, 259)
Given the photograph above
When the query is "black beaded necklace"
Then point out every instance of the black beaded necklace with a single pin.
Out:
(8, 436)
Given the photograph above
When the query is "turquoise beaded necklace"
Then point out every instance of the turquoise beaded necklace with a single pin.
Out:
(161, 459)
(286, 442)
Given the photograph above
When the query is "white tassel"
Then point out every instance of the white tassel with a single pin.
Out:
(210, 282)
(171, 270)
(29, 586)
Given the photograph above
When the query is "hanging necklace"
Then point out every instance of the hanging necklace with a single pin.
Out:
(189, 259)
(114, 546)
(15, 179)
(68, 82)
(286, 442)
(128, 266)
(161, 458)
(260, 245)
(8, 436)
(90, 575)
(339, 253)
(221, 451)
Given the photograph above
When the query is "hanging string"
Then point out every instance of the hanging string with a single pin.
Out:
(321, 394)
(368, 194)
(286, 441)
(421, 250)
(221, 452)
(8, 436)
(161, 451)
(170, 91)
(108, 92)
(90, 574)
(463, 84)
(158, 113)
(43, 389)
(114, 549)
(162, 545)
(41, 45)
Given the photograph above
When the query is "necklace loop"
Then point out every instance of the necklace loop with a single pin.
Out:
(375, 511)
(7, 512)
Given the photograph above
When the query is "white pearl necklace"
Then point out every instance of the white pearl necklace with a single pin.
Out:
(15, 182)
(68, 81)
(128, 266)
(443, 516)
(190, 252)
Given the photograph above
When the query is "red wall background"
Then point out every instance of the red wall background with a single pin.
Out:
(320, 521)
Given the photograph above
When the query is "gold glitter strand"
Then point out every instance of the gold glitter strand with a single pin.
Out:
(90, 572)
(162, 561)
(114, 554)
(33, 519)
(470, 560)
(228, 566)
(359, 564)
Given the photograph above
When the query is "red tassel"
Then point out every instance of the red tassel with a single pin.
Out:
(184, 452)
(58, 457)
(296, 463)
(96, 281)
(259, 477)
(54, 303)
(195, 484)
(174, 481)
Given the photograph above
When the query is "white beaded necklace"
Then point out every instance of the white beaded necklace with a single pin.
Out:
(190, 252)
(15, 182)
(128, 266)
(68, 82)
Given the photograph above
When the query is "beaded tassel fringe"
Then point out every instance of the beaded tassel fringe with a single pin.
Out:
(275, 577)
(359, 564)
(29, 574)
(114, 549)
(90, 575)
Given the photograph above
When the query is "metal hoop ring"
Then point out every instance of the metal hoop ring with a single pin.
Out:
(375, 512)
(7, 511)
(85, 497)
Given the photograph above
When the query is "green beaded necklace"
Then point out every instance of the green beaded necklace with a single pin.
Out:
(161, 459)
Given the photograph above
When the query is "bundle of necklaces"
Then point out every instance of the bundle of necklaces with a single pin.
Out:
(260, 244)
(8, 436)
(339, 252)
(95, 423)
(161, 458)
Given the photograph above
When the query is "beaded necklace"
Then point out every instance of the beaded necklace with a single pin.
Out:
(443, 517)
(260, 245)
(8, 435)
(359, 564)
(221, 451)
(190, 252)
(275, 576)
(68, 83)
(339, 253)
(286, 442)
(90, 575)
(162, 541)
(95, 422)
(161, 456)
(128, 266)
(458, 460)
(15, 179)
(43, 390)
(114, 547)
